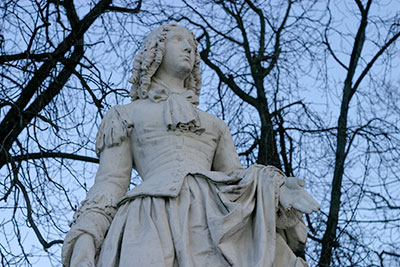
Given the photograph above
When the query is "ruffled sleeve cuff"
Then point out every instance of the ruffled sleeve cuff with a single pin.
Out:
(115, 128)
(94, 218)
(103, 203)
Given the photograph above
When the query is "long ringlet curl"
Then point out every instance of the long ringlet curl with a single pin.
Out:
(149, 59)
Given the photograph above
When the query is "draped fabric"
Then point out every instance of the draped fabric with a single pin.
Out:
(208, 224)
(196, 206)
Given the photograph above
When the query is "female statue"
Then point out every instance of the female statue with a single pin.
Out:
(197, 206)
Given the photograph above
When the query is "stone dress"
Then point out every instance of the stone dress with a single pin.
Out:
(196, 206)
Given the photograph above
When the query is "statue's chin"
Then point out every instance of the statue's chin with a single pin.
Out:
(184, 70)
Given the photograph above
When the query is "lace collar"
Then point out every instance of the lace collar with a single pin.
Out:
(179, 109)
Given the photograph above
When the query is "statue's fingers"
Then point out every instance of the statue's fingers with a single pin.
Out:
(306, 203)
(303, 208)
(315, 205)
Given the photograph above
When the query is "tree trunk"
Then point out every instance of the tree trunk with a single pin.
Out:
(268, 152)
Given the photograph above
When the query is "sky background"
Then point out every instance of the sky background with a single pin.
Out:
(323, 100)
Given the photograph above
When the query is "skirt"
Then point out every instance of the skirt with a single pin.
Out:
(207, 224)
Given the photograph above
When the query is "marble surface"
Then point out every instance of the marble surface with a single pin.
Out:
(197, 205)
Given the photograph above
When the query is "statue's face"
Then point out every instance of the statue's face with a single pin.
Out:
(179, 53)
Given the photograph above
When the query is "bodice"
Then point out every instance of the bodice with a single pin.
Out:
(164, 157)
(157, 150)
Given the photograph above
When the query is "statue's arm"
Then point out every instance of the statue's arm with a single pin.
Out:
(93, 218)
(291, 190)
(293, 199)
(226, 158)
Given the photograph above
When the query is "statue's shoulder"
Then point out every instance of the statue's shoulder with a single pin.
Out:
(131, 107)
(216, 122)
(115, 127)
(130, 111)
(120, 113)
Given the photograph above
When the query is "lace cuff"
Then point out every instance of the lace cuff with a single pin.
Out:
(102, 203)
(94, 218)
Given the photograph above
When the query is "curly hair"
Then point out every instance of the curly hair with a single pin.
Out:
(149, 59)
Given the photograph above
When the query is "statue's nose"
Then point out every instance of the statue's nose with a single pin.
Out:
(187, 47)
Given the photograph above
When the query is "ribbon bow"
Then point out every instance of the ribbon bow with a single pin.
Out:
(179, 110)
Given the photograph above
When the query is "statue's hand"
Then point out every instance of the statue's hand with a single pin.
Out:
(84, 252)
(293, 195)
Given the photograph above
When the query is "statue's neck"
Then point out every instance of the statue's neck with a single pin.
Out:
(173, 85)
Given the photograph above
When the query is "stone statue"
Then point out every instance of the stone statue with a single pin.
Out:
(197, 206)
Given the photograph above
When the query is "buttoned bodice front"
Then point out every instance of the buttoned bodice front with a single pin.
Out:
(164, 157)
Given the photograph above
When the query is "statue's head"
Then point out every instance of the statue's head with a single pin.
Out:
(151, 55)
